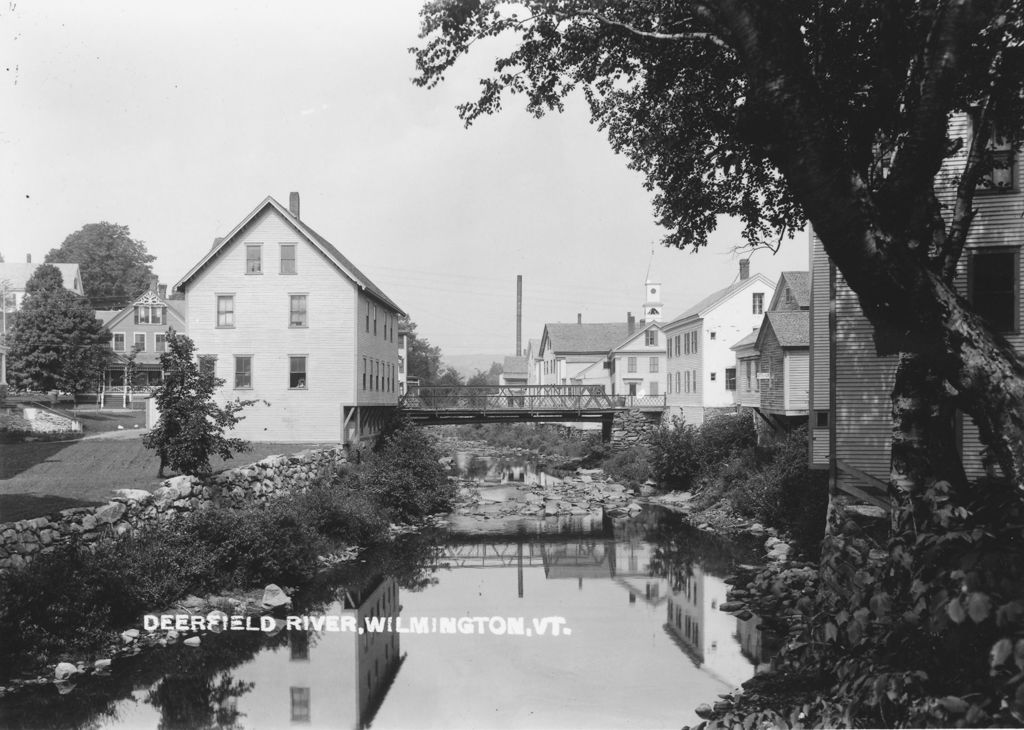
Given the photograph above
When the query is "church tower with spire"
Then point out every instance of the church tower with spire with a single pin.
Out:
(652, 301)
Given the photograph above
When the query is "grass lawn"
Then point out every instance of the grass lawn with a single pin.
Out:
(37, 478)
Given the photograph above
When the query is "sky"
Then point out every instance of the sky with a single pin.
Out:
(177, 119)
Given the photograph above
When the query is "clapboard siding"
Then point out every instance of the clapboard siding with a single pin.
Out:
(747, 397)
(377, 352)
(773, 398)
(820, 447)
(819, 335)
(863, 383)
(797, 372)
(261, 329)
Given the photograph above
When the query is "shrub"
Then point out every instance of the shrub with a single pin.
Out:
(404, 478)
(632, 465)
(674, 459)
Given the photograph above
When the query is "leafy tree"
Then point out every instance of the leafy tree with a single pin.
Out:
(115, 267)
(780, 112)
(479, 378)
(449, 376)
(55, 341)
(192, 426)
(424, 359)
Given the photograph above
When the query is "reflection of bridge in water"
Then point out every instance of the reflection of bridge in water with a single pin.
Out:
(430, 404)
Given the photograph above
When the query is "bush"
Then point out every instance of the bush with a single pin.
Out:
(631, 466)
(674, 455)
(404, 476)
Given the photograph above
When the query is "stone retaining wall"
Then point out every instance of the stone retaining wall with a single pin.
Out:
(131, 509)
(632, 427)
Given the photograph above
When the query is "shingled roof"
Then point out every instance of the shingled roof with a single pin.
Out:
(585, 338)
(792, 329)
(515, 366)
(346, 266)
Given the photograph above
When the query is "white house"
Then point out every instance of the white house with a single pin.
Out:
(700, 362)
(285, 318)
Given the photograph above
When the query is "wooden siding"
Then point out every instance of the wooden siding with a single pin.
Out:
(261, 329)
(797, 373)
(821, 305)
(773, 398)
(749, 398)
(863, 384)
(379, 353)
(820, 446)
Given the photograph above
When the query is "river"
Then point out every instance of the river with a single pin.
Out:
(634, 601)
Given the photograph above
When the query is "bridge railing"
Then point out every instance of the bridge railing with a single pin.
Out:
(641, 401)
(528, 398)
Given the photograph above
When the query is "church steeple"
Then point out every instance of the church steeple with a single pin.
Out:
(652, 301)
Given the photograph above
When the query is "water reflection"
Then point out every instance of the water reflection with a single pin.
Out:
(503, 469)
(640, 595)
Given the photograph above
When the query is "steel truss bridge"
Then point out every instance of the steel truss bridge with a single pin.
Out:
(441, 404)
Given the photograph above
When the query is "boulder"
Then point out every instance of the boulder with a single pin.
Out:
(274, 597)
(129, 636)
(133, 495)
(193, 641)
(101, 665)
(110, 512)
(64, 670)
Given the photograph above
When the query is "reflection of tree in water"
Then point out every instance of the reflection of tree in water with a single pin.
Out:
(198, 702)
(677, 547)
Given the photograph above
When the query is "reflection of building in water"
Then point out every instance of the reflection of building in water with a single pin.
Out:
(709, 636)
(582, 559)
(633, 572)
(325, 678)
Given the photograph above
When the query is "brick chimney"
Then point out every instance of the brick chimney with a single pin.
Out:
(28, 258)
(579, 318)
(744, 269)
(293, 204)
(630, 323)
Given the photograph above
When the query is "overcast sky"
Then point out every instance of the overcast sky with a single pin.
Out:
(177, 119)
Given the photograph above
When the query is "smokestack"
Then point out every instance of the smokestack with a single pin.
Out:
(519, 315)
(293, 204)
(162, 291)
(579, 318)
(630, 323)
(28, 258)
(744, 269)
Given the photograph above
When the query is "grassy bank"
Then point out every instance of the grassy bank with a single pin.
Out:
(72, 600)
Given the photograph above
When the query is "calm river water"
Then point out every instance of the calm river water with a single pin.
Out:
(641, 640)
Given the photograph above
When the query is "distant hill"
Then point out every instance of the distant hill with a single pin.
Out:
(467, 365)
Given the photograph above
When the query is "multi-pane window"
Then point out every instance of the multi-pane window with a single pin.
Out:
(287, 258)
(1000, 176)
(747, 369)
(730, 378)
(118, 342)
(653, 365)
(243, 371)
(631, 365)
(367, 316)
(651, 337)
(300, 704)
(364, 373)
(374, 319)
(679, 388)
(297, 308)
(694, 381)
(758, 303)
(686, 343)
(139, 345)
(225, 310)
(695, 338)
(296, 371)
(254, 258)
(146, 314)
(160, 342)
(714, 376)
(677, 346)
(686, 382)
(992, 287)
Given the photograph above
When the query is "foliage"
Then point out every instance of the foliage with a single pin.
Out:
(56, 342)
(404, 477)
(192, 425)
(631, 465)
(928, 633)
(486, 378)
(115, 267)
(681, 452)
(424, 360)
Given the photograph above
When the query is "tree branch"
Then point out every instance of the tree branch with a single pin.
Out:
(688, 36)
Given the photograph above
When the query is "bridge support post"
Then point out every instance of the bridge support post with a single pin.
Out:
(606, 430)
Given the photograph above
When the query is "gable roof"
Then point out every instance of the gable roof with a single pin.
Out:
(18, 273)
(712, 300)
(175, 307)
(636, 334)
(318, 241)
(515, 366)
(586, 338)
(799, 284)
(747, 341)
(791, 329)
